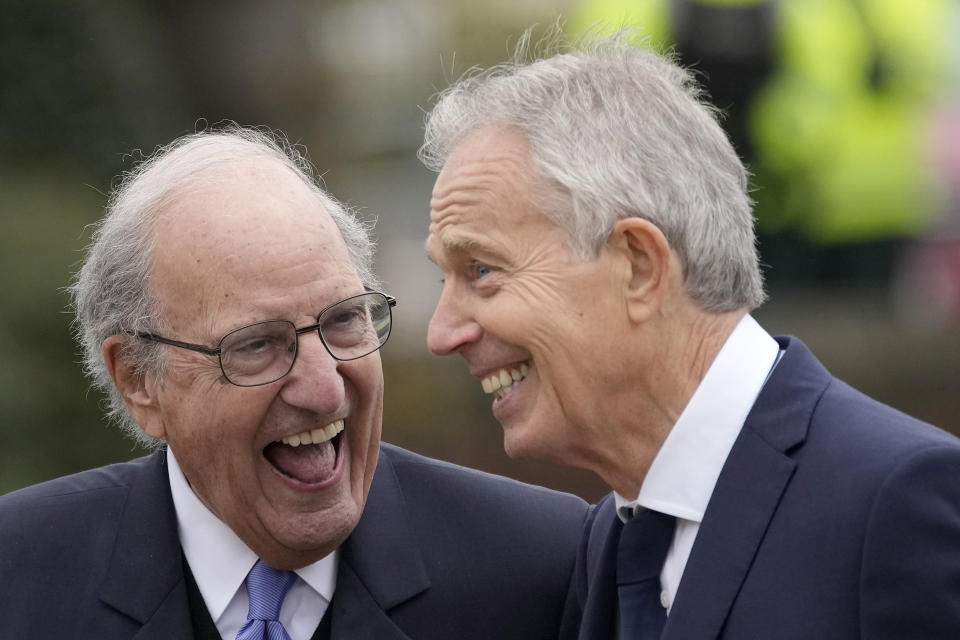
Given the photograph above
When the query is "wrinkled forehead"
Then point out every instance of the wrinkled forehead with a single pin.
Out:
(487, 184)
(242, 228)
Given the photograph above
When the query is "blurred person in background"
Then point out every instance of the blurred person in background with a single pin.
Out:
(856, 85)
(592, 224)
(927, 277)
(228, 308)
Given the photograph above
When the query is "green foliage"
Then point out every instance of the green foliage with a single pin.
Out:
(49, 423)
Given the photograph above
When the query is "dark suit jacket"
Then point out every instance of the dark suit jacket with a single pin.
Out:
(833, 517)
(441, 552)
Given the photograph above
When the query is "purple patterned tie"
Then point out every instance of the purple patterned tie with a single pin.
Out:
(267, 588)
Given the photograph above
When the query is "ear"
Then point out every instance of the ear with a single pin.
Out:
(139, 390)
(648, 256)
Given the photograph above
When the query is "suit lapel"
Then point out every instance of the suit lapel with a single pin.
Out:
(356, 615)
(743, 502)
(746, 496)
(380, 564)
(600, 549)
(144, 580)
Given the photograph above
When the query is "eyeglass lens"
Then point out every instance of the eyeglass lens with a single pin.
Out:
(265, 351)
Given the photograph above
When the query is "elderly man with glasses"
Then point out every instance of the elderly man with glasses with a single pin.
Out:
(228, 308)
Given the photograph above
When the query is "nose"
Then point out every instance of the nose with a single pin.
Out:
(315, 382)
(452, 327)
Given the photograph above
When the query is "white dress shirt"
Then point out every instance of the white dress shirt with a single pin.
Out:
(685, 470)
(220, 562)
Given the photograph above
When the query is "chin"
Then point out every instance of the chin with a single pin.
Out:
(519, 444)
(541, 444)
(321, 530)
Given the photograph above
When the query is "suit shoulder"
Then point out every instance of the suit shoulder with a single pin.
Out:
(802, 403)
(486, 543)
(475, 485)
(888, 431)
(407, 462)
(68, 498)
(58, 538)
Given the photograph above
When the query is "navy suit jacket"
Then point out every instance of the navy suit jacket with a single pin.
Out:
(441, 552)
(834, 517)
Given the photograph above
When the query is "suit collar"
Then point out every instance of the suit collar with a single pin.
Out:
(380, 568)
(782, 413)
(684, 472)
(144, 579)
(380, 563)
(747, 494)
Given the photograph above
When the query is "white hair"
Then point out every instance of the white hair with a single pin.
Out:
(110, 293)
(617, 131)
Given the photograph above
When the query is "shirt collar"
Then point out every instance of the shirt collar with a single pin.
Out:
(684, 472)
(218, 558)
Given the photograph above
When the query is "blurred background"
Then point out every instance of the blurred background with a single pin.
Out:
(847, 112)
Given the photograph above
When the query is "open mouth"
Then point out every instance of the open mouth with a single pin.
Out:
(503, 381)
(309, 457)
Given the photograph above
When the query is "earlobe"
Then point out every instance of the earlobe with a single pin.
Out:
(138, 389)
(648, 258)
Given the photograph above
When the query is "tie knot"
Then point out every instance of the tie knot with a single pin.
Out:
(644, 542)
(267, 588)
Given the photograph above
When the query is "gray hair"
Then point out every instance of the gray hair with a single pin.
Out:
(110, 293)
(617, 131)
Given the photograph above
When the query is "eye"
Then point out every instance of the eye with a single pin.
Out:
(344, 318)
(347, 325)
(479, 269)
(345, 314)
(253, 346)
(261, 340)
(257, 345)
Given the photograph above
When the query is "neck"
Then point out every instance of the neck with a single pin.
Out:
(686, 346)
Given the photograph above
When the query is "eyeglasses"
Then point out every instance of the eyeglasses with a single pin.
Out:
(264, 352)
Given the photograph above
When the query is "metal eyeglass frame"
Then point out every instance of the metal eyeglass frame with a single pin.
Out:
(217, 351)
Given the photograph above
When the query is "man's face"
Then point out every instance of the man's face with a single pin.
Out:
(248, 245)
(535, 324)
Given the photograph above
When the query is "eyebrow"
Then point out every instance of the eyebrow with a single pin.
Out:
(456, 247)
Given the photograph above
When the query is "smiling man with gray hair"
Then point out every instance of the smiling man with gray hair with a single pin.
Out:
(596, 239)
(228, 307)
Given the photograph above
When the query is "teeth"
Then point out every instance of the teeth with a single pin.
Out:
(502, 381)
(314, 436)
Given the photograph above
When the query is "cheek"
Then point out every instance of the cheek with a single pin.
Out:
(215, 444)
(365, 378)
(538, 311)
(218, 421)
(571, 377)
(520, 322)
(190, 391)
